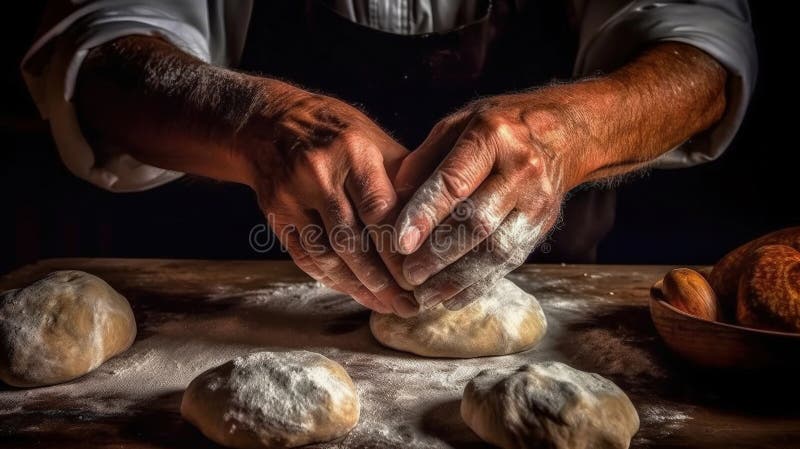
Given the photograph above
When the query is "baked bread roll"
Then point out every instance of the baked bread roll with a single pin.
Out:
(769, 289)
(726, 275)
(688, 291)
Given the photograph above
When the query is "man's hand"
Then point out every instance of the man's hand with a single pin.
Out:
(504, 164)
(322, 170)
(508, 164)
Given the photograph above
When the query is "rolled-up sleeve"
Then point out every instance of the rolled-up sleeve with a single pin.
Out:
(50, 69)
(613, 31)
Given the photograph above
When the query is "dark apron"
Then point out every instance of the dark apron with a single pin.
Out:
(408, 83)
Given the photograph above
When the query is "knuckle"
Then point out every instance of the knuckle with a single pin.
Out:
(375, 205)
(377, 282)
(493, 124)
(481, 226)
(308, 159)
(503, 252)
(332, 265)
(435, 254)
(456, 182)
(442, 126)
(314, 167)
(532, 165)
(353, 141)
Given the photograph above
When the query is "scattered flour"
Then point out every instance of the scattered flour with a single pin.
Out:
(400, 394)
(610, 353)
(662, 420)
(659, 414)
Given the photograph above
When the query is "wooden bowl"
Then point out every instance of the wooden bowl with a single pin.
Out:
(713, 344)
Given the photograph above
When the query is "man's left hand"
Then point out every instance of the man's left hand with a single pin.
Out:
(507, 163)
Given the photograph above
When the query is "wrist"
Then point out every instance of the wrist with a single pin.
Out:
(594, 108)
(569, 124)
(258, 141)
(604, 125)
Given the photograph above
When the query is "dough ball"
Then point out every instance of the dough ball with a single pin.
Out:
(505, 321)
(548, 405)
(272, 399)
(61, 327)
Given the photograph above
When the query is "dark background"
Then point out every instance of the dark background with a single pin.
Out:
(689, 216)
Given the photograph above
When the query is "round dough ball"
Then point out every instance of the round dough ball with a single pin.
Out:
(272, 399)
(548, 404)
(61, 327)
(504, 321)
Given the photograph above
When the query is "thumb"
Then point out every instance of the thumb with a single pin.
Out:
(421, 163)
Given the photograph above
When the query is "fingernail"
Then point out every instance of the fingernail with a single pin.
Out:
(374, 211)
(415, 274)
(409, 239)
(380, 284)
(405, 305)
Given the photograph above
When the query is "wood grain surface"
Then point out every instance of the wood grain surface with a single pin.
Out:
(599, 321)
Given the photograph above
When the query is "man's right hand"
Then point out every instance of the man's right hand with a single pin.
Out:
(322, 170)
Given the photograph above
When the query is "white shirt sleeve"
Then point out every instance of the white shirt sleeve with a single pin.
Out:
(612, 31)
(50, 69)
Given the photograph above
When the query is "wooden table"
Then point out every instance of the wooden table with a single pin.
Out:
(193, 314)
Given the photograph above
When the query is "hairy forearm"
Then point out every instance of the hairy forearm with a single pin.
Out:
(620, 122)
(169, 109)
(667, 95)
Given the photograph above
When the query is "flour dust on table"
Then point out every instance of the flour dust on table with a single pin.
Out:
(190, 323)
